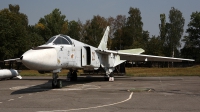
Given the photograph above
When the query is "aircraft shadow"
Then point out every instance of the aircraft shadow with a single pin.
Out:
(47, 86)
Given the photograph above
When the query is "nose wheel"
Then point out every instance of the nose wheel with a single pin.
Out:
(56, 83)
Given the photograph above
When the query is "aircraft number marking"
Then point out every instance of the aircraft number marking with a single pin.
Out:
(61, 48)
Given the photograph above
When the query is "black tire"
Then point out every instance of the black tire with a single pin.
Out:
(59, 84)
(111, 74)
(74, 76)
(69, 76)
(106, 78)
(53, 85)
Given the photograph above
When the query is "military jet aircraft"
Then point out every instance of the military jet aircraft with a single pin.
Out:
(62, 52)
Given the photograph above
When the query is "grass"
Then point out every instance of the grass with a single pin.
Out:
(36, 73)
(135, 72)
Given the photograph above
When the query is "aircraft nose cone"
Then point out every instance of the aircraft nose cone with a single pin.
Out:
(42, 59)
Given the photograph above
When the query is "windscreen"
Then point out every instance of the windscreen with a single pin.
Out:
(61, 40)
(50, 40)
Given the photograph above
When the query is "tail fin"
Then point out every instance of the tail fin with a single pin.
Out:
(104, 40)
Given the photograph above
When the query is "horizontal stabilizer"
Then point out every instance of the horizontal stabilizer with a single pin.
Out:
(118, 61)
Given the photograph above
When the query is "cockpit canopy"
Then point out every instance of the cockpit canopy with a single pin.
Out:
(60, 39)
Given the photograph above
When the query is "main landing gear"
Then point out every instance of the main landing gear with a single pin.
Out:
(56, 83)
(109, 74)
(72, 75)
(109, 77)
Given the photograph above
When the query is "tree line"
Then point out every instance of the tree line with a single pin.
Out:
(17, 36)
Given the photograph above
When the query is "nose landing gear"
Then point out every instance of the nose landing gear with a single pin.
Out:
(56, 83)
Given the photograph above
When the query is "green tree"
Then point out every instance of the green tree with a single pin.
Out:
(34, 37)
(144, 40)
(122, 39)
(134, 25)
(162, 27)
(118, 25)
(43, 30)
(13, 32)
(163, 31)
(74, 30)
(174, 32)
(153, 46)
(52, 24)
(192, 40)
(94, 30)
(194, 30)
(128, 33)
(82, 30)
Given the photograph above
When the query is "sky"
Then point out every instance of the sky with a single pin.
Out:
(86, 9)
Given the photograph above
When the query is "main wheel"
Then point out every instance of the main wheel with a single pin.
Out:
(54, 84)
(106, 78)
(69, 76)
(59, 84)
(74, 76)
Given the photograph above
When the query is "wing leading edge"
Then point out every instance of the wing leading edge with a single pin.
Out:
(142, 57)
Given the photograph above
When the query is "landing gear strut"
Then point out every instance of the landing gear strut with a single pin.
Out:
(111, 78)
(72, 75)
(56, 83)
(109, 74)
